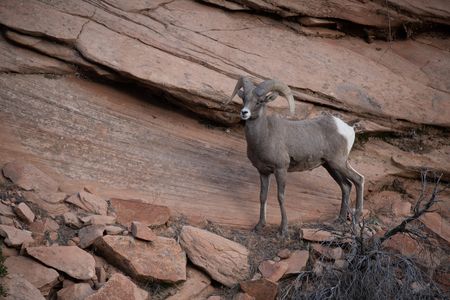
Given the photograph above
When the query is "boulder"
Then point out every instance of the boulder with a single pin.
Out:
(119, 287)
(316, 235)
(273, 271)
(161, 260)
(224, 260)
(77, 291)
(297, 261)
(51, 208)
(38, 275)
(71, 260)
(19, 288)
(135, 210)
(195, 283)
(89, 234)
(25, 213)
(29, 177)
(140, 231)
(15, 237)
(89, 202)
(261, 289)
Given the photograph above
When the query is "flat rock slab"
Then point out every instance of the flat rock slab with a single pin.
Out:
(89, 202)
(273, 271)
(25, 213)
(135, 210)
(71, 260)
(297, 261)
(195, 283)
(162, 260)
(119, 287)
(15, 237)
(89, 234)
(316, 235)
(19, 288)
(37, 274)
(140, 231)
(261, 289)
(77, 291)
(224, 260)
(52, 208)
(29, 177)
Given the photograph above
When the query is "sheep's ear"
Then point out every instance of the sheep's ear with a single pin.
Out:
(271, 96)
(240, 94)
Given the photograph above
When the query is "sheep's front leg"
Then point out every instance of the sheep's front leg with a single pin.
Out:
(280, 175)
(265, 179)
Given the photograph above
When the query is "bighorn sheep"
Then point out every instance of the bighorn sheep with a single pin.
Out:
(276, 145)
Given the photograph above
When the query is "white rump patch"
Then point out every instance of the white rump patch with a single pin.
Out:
(346, 131)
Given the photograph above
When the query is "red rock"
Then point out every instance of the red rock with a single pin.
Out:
(316, 235)
(19, 288)
(195, 283)
(6, 210)
(113, 230)
(437, 224)
(28, 177)
(38, 275)
(140, 231)
(273, 271)
(134, 210)
(8, 252)
(15, 237)
(24, 212)
(53, 209)
(78, 291)
(6, 221)
(401, 208)
(162, 260)
(261, 289)
(89, 234)
(243, 296)
(71, 260)
(71, 220)
(297, 261)
(98, 220)
(89, 202)
(119, 287)
(328, 252)
(224, 260)
(284, 253)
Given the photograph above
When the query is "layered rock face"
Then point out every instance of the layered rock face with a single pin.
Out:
(123, 139)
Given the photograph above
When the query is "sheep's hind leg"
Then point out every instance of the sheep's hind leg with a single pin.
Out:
(280, 175)
(346, 187)
(265, 180)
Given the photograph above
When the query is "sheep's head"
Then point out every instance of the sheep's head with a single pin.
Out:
(256, 97)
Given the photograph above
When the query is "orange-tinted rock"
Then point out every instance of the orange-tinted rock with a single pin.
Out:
(89, 202)
(71, 260)
(224, 260)
(24, 212)
(437, 224)
(161, 260)
(284, 253)
(328, 252)
(401, 208)
(261, 289)
(28, 177)
(316, 235)
(119, 287)
(53, 209)
(297, 261)
(78, 291)
(140, 231)
(98, 220)
(195, 283)
(37, 274)
(15, 237)
(273, 271)
(89, 234)
(134, 210)
(19, 288)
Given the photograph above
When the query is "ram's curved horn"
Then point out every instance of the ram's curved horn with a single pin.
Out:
(274, 85)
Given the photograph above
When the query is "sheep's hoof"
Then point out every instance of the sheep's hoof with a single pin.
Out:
(259, 227)
(283, 232)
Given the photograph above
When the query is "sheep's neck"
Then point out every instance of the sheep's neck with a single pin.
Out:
(256, 130)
